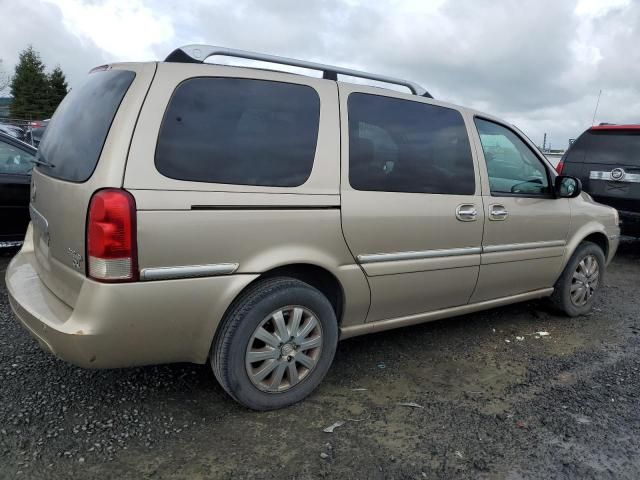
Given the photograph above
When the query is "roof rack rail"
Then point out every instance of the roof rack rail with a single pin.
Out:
(199, 53)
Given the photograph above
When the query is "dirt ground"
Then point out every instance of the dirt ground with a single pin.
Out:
(494, 400)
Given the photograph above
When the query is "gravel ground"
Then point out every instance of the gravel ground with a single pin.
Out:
(492, 400)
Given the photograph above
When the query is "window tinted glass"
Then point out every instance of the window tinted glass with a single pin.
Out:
(612, 147)
(513, 168)
(239, 131)
(576, 150)
(14, 160)
(76, 134)
(398, 145)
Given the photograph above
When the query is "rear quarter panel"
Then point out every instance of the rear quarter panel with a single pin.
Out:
(587, 218)
(64, 204)
(183, 223)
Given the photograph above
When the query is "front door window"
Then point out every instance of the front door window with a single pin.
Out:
(14, 161)
(512, 167)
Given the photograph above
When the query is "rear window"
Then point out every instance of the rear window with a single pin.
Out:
(609, 147)
(239, 131)
(74, 138)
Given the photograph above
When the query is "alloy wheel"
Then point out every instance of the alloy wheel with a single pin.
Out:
(585, 280)
(284, 349)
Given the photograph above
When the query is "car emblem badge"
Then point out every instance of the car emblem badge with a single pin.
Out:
(617, 174)
(76, 258)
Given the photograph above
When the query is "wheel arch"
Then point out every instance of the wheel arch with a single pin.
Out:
(589, 233)
(315, 275)
(600, 239)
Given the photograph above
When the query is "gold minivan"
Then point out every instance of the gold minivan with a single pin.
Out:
(183, 211)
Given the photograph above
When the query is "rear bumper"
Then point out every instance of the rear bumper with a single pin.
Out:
(629, 222)
(123, 325)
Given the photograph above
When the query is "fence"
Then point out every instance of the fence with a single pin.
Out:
(22, 123)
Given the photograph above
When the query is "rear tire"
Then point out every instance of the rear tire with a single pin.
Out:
(275, 344)
(580, 281)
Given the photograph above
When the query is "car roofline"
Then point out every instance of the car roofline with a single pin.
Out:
(615, 127)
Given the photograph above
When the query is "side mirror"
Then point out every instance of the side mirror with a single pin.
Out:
(567, 187)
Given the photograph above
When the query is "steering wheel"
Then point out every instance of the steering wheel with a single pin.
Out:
(515, 188)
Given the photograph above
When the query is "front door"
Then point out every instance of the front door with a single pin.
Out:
(411, 205)
(526, 227)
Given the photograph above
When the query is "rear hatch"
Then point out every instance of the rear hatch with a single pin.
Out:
(607, 160)
(83, 150)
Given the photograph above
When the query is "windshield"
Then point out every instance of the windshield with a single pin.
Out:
(74, 138)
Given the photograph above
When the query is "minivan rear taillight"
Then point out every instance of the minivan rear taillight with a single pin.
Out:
(560, 166)
(111, 237)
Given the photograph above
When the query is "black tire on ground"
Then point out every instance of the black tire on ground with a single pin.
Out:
(244, 316)
(561, 297)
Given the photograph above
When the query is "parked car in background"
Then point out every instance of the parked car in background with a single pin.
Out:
(37, 131)
(16, 163)
(14, 131)
(250, 218)
(606, 158)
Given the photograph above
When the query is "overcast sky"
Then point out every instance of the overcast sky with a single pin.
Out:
(538, 64)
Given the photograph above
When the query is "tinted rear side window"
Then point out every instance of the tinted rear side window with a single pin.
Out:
(239, 131)
(611, 147)
(74, 138)
(398, 145)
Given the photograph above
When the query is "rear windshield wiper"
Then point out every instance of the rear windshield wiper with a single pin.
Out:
(44, 163)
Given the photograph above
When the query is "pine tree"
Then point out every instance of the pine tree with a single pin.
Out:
(30, 87)
(58, 88)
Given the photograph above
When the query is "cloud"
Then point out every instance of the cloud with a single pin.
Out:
(41, 25)
(128, 30)
(537, 64)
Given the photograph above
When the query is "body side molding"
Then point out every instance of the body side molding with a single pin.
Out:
(187, 271)
(456, 252)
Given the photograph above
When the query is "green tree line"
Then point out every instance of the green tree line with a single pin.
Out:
(36, 94)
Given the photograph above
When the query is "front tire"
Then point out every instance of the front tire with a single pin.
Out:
(580, 281)
(275, 344)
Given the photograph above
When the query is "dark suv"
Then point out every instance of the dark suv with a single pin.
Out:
(607, 160)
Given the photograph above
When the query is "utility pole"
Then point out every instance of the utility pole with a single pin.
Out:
(544, 142)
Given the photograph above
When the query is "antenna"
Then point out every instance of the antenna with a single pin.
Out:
(593, 121)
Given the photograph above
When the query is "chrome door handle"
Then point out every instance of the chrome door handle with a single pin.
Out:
(498, 212)
(467, 212)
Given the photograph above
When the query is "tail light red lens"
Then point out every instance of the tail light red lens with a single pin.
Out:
(559, 167)
(111, 237)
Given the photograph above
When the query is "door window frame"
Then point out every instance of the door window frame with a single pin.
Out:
(425, 104)
(550, 172)
(344, 92)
